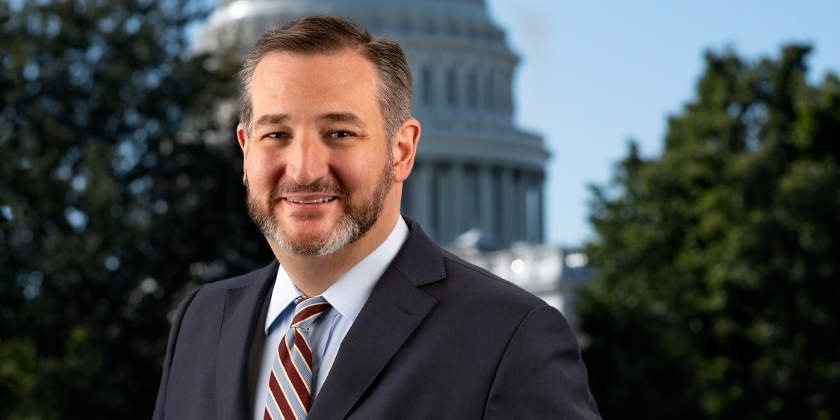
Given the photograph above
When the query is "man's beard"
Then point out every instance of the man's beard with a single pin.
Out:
(356, 219)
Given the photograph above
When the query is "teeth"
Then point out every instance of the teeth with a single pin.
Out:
(315, 201)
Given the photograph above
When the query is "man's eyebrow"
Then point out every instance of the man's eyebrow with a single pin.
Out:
(271, 119)
(345, 117)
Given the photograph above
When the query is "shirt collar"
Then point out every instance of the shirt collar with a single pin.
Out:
(350, 292)
(282, 296)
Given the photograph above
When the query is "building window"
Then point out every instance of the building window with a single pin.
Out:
(490, 92)
(454, 29)
(405, 26)
(472, 199)
(507, 97)
(533, 213)
(451, 88)
(472, 89)
(431, 28)
(428, 85)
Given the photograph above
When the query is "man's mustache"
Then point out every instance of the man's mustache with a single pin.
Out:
(319, 186)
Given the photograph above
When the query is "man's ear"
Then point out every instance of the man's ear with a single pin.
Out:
(242, 136)
(404, 148)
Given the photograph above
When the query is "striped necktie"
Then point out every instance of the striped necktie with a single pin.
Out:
(290, 384)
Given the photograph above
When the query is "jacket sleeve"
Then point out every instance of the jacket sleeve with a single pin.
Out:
(170, 352)
(541, 375)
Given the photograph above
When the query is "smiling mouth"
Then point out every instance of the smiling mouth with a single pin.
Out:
(313, 201)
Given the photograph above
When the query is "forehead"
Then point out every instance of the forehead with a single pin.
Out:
(345, 78)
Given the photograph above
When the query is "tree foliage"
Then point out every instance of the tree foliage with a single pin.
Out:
(719, 275)
(114, 201)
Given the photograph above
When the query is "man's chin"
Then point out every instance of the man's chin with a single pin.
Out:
(307, 229)
(298, 247)
(303, 238)
(307, 239)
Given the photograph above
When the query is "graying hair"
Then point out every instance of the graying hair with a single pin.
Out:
(331, 35)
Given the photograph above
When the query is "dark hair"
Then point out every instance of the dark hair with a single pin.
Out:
(330, 35)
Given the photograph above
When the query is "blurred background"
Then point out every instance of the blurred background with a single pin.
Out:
(698, 262)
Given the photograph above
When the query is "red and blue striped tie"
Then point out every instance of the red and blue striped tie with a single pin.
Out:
(290, 384)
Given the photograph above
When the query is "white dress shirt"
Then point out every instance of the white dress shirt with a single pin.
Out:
(347, 296)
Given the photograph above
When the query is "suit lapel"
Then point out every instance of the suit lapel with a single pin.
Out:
(242, 307)
(391, 314)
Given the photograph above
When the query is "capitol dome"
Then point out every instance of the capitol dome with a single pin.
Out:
(474, 169)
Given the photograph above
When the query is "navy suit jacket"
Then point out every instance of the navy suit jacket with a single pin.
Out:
(437, 339)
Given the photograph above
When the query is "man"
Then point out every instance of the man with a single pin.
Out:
(362, 316)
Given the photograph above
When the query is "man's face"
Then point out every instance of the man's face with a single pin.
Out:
(318, 167)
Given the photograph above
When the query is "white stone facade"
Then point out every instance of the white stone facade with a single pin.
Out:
(474, 168)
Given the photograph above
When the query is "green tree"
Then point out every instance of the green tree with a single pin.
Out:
(717, 296)
(113, 200)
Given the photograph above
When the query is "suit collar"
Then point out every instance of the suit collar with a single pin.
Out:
(420, 260)
(239, 321)
(393, 311)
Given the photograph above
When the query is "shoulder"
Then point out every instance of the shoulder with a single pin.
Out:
(238, 282)
(453, 281)
(482, 300)
(201, 312)
(484, 284)
(209, 297)
(536, 347)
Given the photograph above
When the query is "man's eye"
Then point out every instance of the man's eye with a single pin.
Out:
(340, 134)
(278, 135)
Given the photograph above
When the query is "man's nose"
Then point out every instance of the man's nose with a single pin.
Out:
(307, 159)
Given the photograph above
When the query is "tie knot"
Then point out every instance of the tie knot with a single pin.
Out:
(308, 310)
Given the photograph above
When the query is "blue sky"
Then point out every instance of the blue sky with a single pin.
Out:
(594, 74)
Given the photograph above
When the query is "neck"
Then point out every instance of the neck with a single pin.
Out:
(313, 275)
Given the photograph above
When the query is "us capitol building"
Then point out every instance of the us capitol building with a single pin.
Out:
(477, 182)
